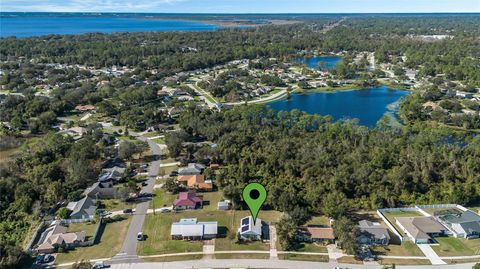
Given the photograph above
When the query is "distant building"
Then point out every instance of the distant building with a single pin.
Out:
(101, 190)
(372, 233)
(464, 224)
(249, 230)
(420, 230)
(114, 174)
(82, 209)
(315, 234)
(464, 94)
(56, 236)
(187, 200)
(84, 108)
(191, 169)
(196, 182)
(191, 229)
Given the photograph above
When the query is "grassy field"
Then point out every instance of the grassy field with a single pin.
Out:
(110, 244)
(162, 199)
(405, 249)
(319, 220)
(450, 246)
(299, 257)
(116, 205)
(311, 247)
(88, 227)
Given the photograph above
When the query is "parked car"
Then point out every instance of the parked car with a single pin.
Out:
(48, 258)
(144, 183)
(173, 174)
(39, 259)
(128, 211)
(100, 265)
(140, 236)
(165, 210)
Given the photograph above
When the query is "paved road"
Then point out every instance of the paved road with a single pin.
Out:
(128, 253)
(248, 263)
(261, 100)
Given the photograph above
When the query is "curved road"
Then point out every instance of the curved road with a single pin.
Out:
(128, 253)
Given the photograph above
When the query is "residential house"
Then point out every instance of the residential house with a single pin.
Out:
(197, 182)
(84, 108)
(372, 233)
(420, 230)
(464, 94)
(101, 190)
(465, 224)
(56, 236)
(82, 209)
(187, 201)
(191, 229)
(315, 234)
(76, 132)
(191, 169)
(250, 230)
(114, 174)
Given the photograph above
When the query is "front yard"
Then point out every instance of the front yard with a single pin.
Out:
(88, 227)
(110, 244)
(450, 246)
(405, 249)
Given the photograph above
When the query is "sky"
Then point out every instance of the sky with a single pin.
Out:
(242, 6)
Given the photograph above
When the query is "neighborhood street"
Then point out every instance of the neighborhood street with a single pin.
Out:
(128, 253)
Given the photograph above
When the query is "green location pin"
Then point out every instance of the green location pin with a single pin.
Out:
(254, 194)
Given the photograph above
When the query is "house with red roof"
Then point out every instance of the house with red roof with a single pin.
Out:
(187, 201)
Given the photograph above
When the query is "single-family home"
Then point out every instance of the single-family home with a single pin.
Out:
(462, 94)
(56, 236)
(465, 224)
(101, 190)
(250, 230)
(191, 229)
(191, 169)
(315, 234)
(372, 233)
(84, 108)
(76, 132)
(82, 209)
(420, 230)
(187, 200)
(197, 182)
(115, 174)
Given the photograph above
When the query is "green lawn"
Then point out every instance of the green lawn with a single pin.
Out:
(300, 257)
(160, 140)
(404, 262)
(242, 256)
(116, 205)
(319, 220)
(450, 246)
(152, 134)
(162, 199)
(174, 258)
(110, 244)
(312, 247)
(88, 227)
(405, 249)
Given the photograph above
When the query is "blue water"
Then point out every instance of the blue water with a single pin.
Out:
(367, 105)
(314, 62)
(26, 26)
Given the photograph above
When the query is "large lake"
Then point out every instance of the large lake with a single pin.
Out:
(324, 62)
(36, 25)
(367, 105)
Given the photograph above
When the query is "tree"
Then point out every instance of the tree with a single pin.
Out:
(63, 213)
(171, 185)
(335, 204)
(126, 149)
(286, 231)
(82, 265)
(346, 233)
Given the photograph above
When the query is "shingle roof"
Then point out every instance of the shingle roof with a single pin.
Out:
(187, 199)
(191, 227)
(420, 227)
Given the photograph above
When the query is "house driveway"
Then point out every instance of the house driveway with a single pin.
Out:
(430, 254)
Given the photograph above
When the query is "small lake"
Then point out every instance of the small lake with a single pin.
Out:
(367, 105)
(325, 62)
(25, 25)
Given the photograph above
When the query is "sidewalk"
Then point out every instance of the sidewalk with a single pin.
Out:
(430, 254)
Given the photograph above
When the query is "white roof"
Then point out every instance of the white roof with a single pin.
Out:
(248, 226)
(190, 227)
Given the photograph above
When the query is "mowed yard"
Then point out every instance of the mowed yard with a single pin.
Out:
(157, 227)
(110, 244)
(450, 246)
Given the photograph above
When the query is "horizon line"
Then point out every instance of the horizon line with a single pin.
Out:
(242, 13)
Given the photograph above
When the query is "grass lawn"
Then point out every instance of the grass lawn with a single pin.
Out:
(110, 244)
(159, 140)
(116, 205)
(312, 247)
(211, 200)
(242, 256)
(167, 170)
(174, 258)
(349, 259)
(395, 214)
(403, 262)
(450, 246)
(460, 261)
(152, 134)
(299, 257)
(319, 220)
(405, 249)
(162, 199)
(88, 227)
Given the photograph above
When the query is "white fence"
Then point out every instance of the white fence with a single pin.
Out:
(66, 221)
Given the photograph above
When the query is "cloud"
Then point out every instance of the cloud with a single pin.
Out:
(86, 5)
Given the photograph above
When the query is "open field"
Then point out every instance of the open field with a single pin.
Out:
(450, 246)
(110, 243)
(405, 249)
(299, 257)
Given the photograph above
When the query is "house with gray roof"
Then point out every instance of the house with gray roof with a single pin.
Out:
(465, 224)
(250, 230)
(82, 209)
(372, 233)
(191, 169)
(191, 229)
(115, 174)
(101, 190)
(420, 230)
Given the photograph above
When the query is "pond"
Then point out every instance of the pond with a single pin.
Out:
(367, 105)
(324, 62)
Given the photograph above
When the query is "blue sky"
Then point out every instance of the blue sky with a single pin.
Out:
(242, 6)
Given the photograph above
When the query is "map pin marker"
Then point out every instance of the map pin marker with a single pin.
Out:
(254, 194)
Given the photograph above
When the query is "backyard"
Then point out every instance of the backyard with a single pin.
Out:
(391, 215)
(110, 244)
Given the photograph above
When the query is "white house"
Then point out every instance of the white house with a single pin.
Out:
(465, 224)
(191, 229)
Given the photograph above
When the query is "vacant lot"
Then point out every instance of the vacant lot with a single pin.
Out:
(450, 246)
(110, 244)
